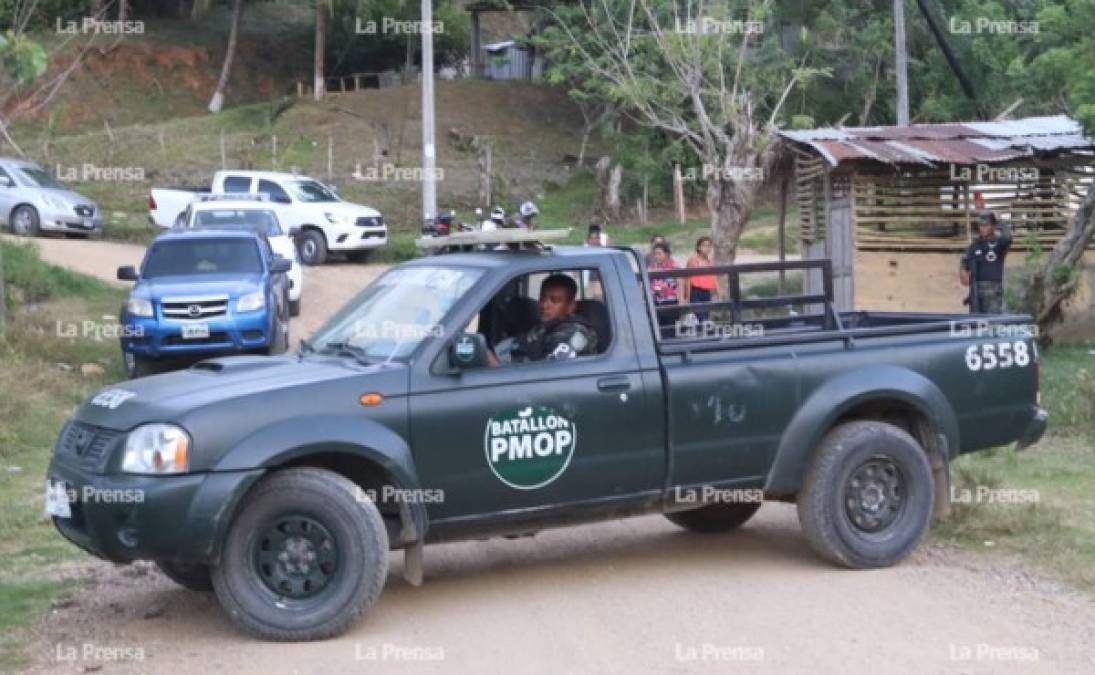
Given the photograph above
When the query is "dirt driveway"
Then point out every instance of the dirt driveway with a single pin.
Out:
(634, 596)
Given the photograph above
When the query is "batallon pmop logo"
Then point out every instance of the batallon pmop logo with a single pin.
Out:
(529, 447)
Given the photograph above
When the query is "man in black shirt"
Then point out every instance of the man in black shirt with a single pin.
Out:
(560, 333)
(983, 266)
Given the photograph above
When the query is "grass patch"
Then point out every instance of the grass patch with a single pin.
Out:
(1039, 503)
(40, 367)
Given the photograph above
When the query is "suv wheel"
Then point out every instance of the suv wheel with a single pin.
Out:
(313, 247)
(25, 221)
(190, 576)
(867, 499)
(715, 517)
(304, 559)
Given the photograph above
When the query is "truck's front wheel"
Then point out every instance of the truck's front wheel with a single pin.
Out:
(313, 247)
(715, 517)
(867, 499)
(304, 559)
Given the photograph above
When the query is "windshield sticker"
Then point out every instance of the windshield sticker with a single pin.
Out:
(528, 448)
(112, 398)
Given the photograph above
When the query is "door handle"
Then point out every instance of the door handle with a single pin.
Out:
(618, 383)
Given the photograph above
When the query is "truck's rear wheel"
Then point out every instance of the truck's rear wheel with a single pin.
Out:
(193, 577)
(867, 499)
(715, 517)
(304, 559)
(313, 247)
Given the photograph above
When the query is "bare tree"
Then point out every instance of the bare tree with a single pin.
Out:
(320, 88)
(217, 103)
(695, 85)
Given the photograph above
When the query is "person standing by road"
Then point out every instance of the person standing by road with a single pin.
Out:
(656, 240)
(701, 288)
(664, 290)
(983, 266)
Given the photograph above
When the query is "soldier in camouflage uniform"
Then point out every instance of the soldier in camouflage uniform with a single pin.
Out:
(561, 333)
(983, 266)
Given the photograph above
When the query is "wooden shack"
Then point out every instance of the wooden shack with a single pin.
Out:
(918, 189)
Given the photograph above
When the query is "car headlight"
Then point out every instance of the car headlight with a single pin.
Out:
(157, 449)
(339, 219)
(251, 302)
(138, 307)
(370, 221)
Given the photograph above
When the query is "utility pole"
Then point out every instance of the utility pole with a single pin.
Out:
(429, 150)
(902, 63)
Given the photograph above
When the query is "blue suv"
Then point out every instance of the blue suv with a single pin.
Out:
(202, 293)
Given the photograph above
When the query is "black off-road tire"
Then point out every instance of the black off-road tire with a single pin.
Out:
(356, 533)
(312, 246)
(192, 577)
(855, 463)
(712, 518)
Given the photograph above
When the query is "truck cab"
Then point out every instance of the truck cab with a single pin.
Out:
(201, 293)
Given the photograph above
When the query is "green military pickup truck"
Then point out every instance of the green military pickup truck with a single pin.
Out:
(283, 482)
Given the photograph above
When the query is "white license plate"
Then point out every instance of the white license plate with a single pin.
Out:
(57, 503)
(195, 331)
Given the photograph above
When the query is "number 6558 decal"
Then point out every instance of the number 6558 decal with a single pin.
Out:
(990, 356)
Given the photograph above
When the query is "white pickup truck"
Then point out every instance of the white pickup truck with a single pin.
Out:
(327, 223)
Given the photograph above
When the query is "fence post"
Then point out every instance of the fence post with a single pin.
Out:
(330, 158)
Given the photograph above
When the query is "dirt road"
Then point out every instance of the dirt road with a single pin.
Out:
(631, 596)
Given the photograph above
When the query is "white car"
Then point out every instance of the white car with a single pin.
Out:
(33, 201)
(327, 223)
(236, 212)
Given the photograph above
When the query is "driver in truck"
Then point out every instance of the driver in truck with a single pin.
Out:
(561, 333)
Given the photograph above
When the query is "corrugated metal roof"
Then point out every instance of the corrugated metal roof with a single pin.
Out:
(930, 144)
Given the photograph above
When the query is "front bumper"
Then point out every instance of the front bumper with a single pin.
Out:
(1036, 427)
(356, 238)
(123, 518)
(66, 220)
(155, 337)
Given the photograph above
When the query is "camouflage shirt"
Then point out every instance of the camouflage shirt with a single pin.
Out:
(565, 338)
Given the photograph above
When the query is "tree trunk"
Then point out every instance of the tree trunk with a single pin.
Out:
(123, 10)
(1057, 279)
(730, 203)
(320, 85)
(233, 35)
(613, 196)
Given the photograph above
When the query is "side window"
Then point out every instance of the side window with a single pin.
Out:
(269, 187)
(237, 184)
(535, 318)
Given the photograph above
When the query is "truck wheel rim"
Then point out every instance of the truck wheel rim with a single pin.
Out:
(295, 556)
(874, 495)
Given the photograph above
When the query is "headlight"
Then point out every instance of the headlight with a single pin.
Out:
(251, 302)
(138, 307)
(338, 219)
(156, 449)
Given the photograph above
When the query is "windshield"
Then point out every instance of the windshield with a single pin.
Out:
(395, 313)
(208, 256)
(311, 191)
(254, 220)
(41, 178)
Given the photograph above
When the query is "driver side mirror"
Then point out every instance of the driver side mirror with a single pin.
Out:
(468, 351)
(280, 265)
(127, 273)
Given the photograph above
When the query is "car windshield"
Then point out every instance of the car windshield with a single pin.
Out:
(206, 256)
(395, 313)
(254, 220)
(41, 178)
(311, 191)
